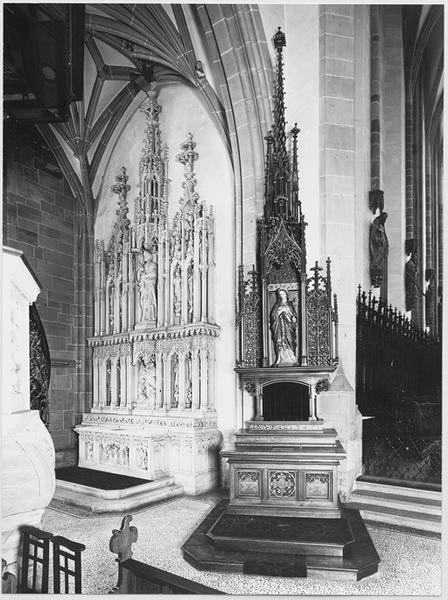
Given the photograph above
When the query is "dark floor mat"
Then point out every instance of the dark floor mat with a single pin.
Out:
(327, 531)
(98, 479)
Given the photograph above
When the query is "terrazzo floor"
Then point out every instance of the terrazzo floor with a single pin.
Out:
(410, 565)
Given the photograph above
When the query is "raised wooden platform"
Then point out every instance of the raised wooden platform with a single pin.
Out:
(281, 535)
(204, 549)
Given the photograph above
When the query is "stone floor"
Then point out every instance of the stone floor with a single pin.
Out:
(411, 564)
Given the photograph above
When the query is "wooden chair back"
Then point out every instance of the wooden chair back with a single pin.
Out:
(66, 565)
(35, 560)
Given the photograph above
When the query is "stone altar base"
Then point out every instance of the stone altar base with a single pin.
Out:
(84, 491)
(262, 546)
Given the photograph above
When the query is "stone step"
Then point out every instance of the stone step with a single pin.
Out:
(429, 506)
(402, 519)
(117, 493)
(385, 488)
(97, 504)
(408, 508)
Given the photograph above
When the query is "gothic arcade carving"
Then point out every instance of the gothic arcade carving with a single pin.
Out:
(154, 327)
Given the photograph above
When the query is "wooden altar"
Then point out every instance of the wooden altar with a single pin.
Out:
(284, 473)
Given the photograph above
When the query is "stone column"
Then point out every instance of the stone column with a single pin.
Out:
(211, 273)
(394, 149)
(344, 185)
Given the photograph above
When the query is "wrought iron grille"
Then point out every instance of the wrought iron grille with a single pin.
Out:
(405, 457)
(399, 386)
(40, 367)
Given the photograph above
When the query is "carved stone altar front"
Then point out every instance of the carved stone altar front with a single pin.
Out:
(153, 351)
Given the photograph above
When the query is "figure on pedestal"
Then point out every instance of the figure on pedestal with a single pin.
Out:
(190, 291)
(379, 250)
(177, 298)
(283, 327)
(148, 285)
(411, 274)
(146, 386)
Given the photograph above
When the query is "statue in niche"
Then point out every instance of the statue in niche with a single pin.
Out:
(189, 383)
(379, 250)
(177, 297)
(175, 382)
(148, 286)
(111, 289)
(190, 292)
(146, 385)
(283, 328)
(430, 296)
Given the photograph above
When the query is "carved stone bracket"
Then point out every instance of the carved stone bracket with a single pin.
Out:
(376, 200)
(251, 388)
(323, 385)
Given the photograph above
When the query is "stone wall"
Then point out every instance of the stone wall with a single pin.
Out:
(39, 219)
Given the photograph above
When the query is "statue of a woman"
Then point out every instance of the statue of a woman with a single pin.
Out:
(283, 328)
(148, 285)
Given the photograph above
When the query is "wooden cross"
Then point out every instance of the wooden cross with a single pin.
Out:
(316, 270)
(122, 539)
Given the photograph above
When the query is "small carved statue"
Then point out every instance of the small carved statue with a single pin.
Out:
(146, 386)
(148, 286)
(177, 298)
(283, 328)
(175, 382)
(411, 270)
(190, 292)
(189, 383)
(430, 296)
(379, 250)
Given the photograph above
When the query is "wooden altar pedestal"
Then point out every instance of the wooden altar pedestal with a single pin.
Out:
(285, 468)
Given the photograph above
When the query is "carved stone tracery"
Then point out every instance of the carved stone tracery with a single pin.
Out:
(285, 319)
(154, 331)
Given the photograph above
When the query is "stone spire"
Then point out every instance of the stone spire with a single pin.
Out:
(281, 179)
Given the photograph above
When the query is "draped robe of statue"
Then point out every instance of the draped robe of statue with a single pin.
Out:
(148, 284)
(283, 327)
(379, 249)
